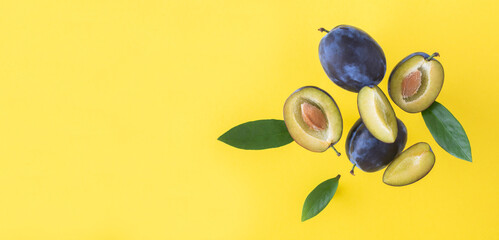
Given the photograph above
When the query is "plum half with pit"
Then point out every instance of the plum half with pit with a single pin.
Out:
(416, 81)
(313, 119)
(370, 154)
(351, 58)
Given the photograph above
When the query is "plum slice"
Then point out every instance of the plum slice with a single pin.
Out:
(313, 119)
(410, 166)
(377, 114)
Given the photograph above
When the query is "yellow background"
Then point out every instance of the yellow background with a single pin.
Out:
(110, 111)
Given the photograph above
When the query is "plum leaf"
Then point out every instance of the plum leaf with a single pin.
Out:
(447, 131)
(257, 135)
(318, 199)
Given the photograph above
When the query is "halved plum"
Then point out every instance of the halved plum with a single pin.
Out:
(416, 81)
(377, 114)
(313, 119)
(410, 166)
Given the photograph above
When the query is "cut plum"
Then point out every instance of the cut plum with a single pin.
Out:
(410, 166)
(377, 114)
(416, 81)
(313, 119)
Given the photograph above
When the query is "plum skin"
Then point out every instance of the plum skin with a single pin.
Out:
(422, 54)
(370, 154)
(351, 58)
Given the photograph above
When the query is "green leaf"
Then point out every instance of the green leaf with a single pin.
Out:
(447, 131)
(256, 135)
(318, 199)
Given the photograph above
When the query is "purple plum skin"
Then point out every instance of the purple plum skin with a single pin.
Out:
(370, 154)
(351, 58)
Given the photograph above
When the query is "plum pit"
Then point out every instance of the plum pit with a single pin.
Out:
(313, 117)
(411, 84)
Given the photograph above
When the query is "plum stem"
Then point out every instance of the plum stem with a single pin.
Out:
(337, 153)
(435, 54)
(351, 171)
(323, 30)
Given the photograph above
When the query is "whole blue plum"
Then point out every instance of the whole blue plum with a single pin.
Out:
(351, 58)
(370, 154)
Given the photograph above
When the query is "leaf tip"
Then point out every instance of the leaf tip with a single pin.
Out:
(304, 216)
(221, 139)
(470, 157)
(467, 156)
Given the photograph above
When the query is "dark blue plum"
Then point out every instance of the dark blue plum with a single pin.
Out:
(370, 154)
(351, 58)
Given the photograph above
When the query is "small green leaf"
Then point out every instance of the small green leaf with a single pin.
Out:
(318, 199)
(447, 131)
(256, 135)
